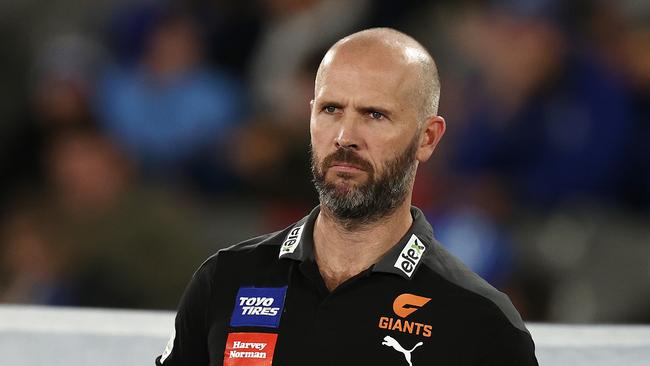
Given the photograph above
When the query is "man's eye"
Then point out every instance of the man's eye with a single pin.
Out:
(376, 115)
(329, 109)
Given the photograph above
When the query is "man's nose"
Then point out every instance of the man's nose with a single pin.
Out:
(347, 136)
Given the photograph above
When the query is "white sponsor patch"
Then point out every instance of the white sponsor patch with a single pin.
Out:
(291, 242)
(410, 255)
(246, 345)
(258, 306)
(238, 354)
(169, 347)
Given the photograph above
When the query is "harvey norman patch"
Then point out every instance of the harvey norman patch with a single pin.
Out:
(410, 256)
(258, 307)
(291, 242)
(249, 349)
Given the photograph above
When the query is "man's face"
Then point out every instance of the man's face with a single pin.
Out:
(364, 135)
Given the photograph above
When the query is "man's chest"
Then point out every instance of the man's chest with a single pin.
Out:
(369, 321)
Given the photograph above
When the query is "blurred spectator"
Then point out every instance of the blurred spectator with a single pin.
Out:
(296, 31)
(64, 75)
(35, 259)
(62, 78)
(474, 238)
(275, 173)
(121, 232)
(87, 174)
(550, 118)
(588, 264)
(233, 29)
(168, 107)
(620, 33)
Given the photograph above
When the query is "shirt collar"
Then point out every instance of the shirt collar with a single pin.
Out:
(299, 242)
(403, 259)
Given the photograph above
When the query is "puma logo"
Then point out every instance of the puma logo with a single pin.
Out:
(391, 342)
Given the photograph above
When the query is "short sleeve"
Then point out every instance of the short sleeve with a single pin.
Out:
(508, 345)
(188, 343)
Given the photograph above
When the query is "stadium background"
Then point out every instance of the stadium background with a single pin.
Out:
(138, 137)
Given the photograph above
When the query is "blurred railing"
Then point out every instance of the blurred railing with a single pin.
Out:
(31, 336)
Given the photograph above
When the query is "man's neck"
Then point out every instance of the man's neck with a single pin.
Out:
(342, 253)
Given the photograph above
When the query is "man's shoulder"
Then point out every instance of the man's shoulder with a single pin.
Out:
(468, 288)
(263, 242)
(264, 247)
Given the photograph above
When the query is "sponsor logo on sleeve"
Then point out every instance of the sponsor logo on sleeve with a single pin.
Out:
(258, 307)
(291, 242)
(249, 349)
(410, 256)
(403, 306)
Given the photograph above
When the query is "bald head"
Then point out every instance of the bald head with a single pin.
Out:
(404, 55)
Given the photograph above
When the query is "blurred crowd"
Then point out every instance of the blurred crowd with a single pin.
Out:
(139, 137)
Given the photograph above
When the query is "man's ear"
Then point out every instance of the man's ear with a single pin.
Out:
(431, 134)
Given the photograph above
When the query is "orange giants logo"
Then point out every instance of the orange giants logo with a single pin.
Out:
(403, 306)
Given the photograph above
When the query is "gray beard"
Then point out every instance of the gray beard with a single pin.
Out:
(353, 207)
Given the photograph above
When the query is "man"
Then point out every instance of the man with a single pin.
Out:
(360, 280)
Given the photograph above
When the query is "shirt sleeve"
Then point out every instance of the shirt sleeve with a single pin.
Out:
(508, 345)
(188, 343)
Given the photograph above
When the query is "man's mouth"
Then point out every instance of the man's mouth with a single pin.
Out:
(346, 167)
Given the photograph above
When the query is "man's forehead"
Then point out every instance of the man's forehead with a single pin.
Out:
(343, 89)
(371, 54)
(383, 76)
(380, 43)
(378, 62)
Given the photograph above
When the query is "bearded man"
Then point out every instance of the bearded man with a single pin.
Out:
(361, 279)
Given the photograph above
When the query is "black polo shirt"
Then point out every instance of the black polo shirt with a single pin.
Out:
(264, 302)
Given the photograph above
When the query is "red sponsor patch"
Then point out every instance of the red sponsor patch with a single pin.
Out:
(249, 349)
